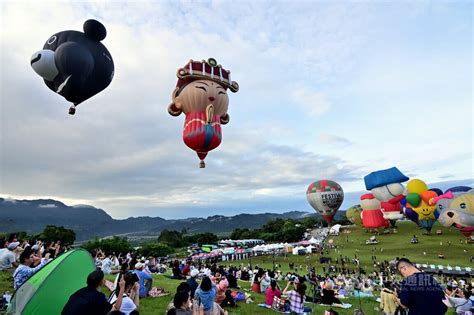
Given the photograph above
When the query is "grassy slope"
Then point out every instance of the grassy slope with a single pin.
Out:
(393, 245)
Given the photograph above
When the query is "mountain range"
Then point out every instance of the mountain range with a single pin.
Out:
(88, 222)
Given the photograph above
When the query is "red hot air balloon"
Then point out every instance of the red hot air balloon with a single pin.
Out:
(201, 93)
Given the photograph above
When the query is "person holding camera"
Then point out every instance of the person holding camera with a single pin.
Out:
(271, 292)
(388, 301)
(296, 297)
(460, 300)
(419, 292)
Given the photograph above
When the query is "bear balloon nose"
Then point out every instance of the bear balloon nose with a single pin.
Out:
(450, 214)
(44, 65)
(211, 98)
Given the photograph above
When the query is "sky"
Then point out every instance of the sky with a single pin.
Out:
(328, 90)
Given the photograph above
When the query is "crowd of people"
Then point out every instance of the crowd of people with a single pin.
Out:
(208, 287)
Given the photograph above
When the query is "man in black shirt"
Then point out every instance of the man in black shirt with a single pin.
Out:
(419, 292)
(89, 300)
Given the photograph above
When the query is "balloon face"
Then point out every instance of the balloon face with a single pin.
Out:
(74, 64)
(201, 93)
(353, 215)
(416, 186)
(325, 196)
(387, 192)
(458, 212)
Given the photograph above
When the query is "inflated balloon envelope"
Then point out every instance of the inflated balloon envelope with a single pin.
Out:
(75, 65)
(201, 94)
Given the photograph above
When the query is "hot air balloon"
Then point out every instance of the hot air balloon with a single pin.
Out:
(325, 196)
(372, 216)
(386, 186)
(74, 64)
(201, 94)
(420, 205)
(353, 215)
(456, 208)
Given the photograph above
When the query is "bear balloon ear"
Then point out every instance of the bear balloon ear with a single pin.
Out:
(94, 30)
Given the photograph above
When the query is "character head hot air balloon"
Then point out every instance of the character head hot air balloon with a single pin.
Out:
(325, 196)
(353, 214)
(74, 64)
(386, 185)
(201, 94)
(372, 216)
(456, 208)
(420, 204)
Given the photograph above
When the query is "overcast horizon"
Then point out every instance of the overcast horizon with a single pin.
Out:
(350, 89)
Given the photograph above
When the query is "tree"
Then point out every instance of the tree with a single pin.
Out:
(52, 233)
(171, 238)
(115, 244)
(155, 249)
(201, 238)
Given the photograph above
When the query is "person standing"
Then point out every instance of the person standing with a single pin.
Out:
(419, 292)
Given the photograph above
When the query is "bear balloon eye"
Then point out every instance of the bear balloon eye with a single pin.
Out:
(462, 206)
(440, 207)
(221, 92)
(201, 87)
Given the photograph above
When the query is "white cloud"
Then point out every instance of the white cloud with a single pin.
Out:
(49, 205)
(313, 103)
(334, 140)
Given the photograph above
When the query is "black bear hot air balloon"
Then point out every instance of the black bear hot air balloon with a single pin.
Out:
(75, 65)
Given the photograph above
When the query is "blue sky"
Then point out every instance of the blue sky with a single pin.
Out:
(328, 90)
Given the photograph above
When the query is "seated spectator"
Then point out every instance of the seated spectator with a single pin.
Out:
(183, 286)
(265, 283)
(145, 279)
(256, 280)
(176, 271)
(8, 256)
(23, 272)
(329, 296)
(462, 304)
(181, 303)
(296, 297)
(221, 288)
(186, 269)
(206, 293)
(192, 282)
(228, 300)
(89, 300)
(108, 265)
(244, 275)
(131, 295)
(271, 292)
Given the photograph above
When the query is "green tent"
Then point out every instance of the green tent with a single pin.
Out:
(48, 290)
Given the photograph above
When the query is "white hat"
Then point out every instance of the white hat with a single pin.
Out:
(194, 273)
(138, 265)
(13, 245)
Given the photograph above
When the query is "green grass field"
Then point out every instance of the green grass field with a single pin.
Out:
(458, 253)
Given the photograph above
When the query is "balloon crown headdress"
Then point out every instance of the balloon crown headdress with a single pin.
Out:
(206, 70)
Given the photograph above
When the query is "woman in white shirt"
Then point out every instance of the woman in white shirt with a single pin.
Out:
(131, 296)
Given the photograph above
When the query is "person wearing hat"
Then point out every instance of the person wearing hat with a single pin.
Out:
(192, 281)
(8, 256)
(145, 287)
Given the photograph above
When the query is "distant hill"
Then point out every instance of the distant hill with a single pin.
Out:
(87, 221)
